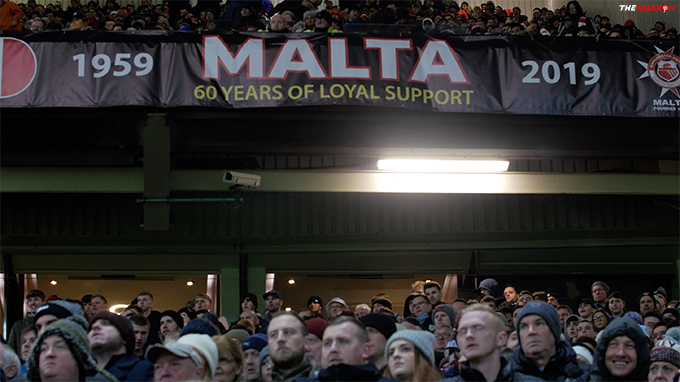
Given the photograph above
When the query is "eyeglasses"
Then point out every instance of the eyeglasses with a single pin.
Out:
(599, 318)
(442, 335)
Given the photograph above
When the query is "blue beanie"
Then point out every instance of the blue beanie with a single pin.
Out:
(256, 341)
(547, 312)
(199, 327)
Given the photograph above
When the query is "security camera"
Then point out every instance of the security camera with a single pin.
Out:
(241, 179)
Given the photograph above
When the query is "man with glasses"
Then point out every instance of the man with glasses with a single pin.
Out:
(420, 308)
(335, 307)
(442, 336)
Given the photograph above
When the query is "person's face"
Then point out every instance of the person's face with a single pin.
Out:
(201, 303)
(227, 369)
(524, 299)
(168, 325)
(562, 314)
(599, 294)
(77, 24)
(377, 341)
(653, 33)
(646, 305)
(662, 372)
(335, 309)
(616, 305)
(313, 348)
(441, 318)
(247, 305)
(42, 322)
(433, 294)
(32, 303)
(361, 311)
(458, 307)
(341, 344)
(585, 329)
(273, 303)
(477, 335)
(27, 341)
(250, 316)
(98, 305)
(535, 337)
(442, 336)
(659, 333)
(103, 334)
(649, 322)
(321, 23)
(515, 314)
(141, 335)
(56, 362)
(668, 317)
(621, 357)
(513, 341)
(37, 26)
(109, 25)
(277, 23)
(401, 359)
(377, 307)
(420, 305)
(585, 310)
(145, 302)
(310, 21)
(266, 369)
(572, 328)
(286, 341)
(252, 362)
(572, 9)
(171, 368)
(599, 320)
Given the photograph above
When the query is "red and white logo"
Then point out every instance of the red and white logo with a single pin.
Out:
(664, 70)
(18, 66)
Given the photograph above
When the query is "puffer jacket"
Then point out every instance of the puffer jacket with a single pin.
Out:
(621, 327)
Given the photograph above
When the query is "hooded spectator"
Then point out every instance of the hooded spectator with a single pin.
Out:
(622, 353)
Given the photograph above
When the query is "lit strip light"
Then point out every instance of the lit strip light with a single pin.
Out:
(433, 165)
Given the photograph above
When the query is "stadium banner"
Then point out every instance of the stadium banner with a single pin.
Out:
(464, 74)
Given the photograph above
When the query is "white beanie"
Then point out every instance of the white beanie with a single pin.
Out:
(205, 346)
(583, 352)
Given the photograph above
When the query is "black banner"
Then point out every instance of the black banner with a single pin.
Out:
(478, 74)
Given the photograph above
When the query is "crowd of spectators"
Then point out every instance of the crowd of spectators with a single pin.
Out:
(502, 335)
(396, 17)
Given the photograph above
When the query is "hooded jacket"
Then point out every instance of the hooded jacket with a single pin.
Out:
(562, 366)
(622, 327)
(564, 329)
(491, 285)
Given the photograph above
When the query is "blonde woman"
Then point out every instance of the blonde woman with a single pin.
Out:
(410, 357)
(230, 359)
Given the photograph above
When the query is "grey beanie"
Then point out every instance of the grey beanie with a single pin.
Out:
(263, 353)
(73, 330)
(421, 339)
(59, 309)
(448, 309)
(547, 312)
(602, 284)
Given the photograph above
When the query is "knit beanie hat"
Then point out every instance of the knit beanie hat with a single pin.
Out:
(199, 326)
(250, 297)
(73, 331)
(315, 299)
(339, 301)
(448, 309)
(583, 352)
(547, 312)
(421, 339)
(382, 301)
(190, 312)
(205, 346)
(123, 325)
(256, 341)
(263, 353)
(316, 326)
(602, 284)
(673, 312)
(239, 334)
(381, 322)
(175, 317)
(59, 309)
(666, 354)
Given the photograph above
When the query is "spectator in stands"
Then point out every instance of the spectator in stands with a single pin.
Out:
(622, 353)
(600, 320)
(53, 311)
(37, 25)
(98, 302)
(410, 357)
(542, 353)
(617, 305)
(585, 329)
(140, 327)
(647, 303)
(10, 16)
(230, 360)
(600, 291)
(315, 327)
(650, 319)
(145, 302)
(32, 301)
(576, 19)
(193, 357)
(421, 308)
(9, 362)
(380, 328)
(251, 352)
(286, 337)
(433, 291)
(510, 294)
(586, 308)
(171, 325)
(524, 298)
(665, 362)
